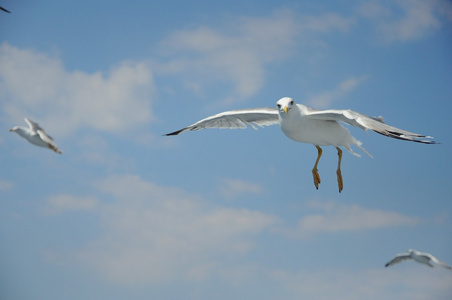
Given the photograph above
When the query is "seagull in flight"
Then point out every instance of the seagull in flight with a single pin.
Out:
(420, 257)
(5, 9)
(36, 135)
(308, 125)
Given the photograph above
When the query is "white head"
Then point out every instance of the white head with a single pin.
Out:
(411, 251)
(285, 104)
(22, 131)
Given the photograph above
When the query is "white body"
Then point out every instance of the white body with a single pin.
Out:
(33, 138)
(300, 128)
(36, 135)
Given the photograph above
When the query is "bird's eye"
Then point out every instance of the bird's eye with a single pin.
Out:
(279, 105)
(291, 102)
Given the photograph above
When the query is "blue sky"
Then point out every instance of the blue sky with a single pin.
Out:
(126, 213)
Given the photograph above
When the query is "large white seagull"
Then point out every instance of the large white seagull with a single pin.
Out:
(36, 135)
(307, 125)
(420, 257)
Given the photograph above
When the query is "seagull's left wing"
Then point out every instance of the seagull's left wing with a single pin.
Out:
(4, 9)
(34, 127)
(235, 119)
(438, 262)
(365, 122)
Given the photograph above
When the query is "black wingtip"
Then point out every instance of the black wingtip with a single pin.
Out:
(5, 10)
(423, 139)
(174, 133)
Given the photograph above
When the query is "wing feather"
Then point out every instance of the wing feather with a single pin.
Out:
(438, 262)
(48, 140)
(44, 136)
(4, 9)
(234, 119)
(34, 127)
(398, 259)
(373, 123)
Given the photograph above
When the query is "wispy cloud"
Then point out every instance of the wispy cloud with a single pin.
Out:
(326, 23)
(57, 204)
(366, 284)
(418, 19)
(6, 185)
(38, 86)
(153, 233)
(237, 57)
(231, 188)
(336, 218)
(95, 149)
(240, 56)
(325, 99)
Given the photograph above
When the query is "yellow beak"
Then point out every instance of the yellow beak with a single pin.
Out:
(286, 109)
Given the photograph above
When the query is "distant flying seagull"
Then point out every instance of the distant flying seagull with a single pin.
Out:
(5, 9)
(420, 257)
(307, 125)
(36, 135)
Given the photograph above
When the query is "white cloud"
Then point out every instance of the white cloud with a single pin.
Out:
(238, 57)
(325, 99)
(382, 283)
(204, 56)
(6, 185)
(94, 149)
(38, 86)
(337, 218)
(153, 234)
(231, 188)
(63, 203)
(326, 23)
(417, 19)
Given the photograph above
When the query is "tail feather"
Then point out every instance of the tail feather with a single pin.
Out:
(358, 144)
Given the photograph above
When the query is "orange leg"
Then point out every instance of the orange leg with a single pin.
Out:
(315, 174)
(340, 182)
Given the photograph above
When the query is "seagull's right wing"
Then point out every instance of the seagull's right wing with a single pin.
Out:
(44, 136)
(236, 119)
(398, 259)
(48, 140)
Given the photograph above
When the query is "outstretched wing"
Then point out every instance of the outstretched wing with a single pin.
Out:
(48, 140)
(235, 119)
(438, 262)
(365, 122)
(44, 136)
(398, 259)
(4, 9)
(34, 127)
